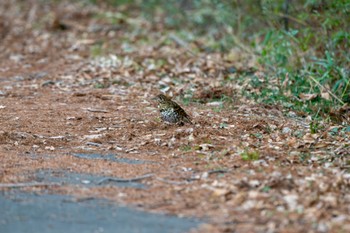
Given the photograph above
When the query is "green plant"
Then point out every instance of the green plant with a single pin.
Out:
(250, 155)
(96, 50)
(99, 85)
(266, 189)
(186, 148)
(304, 157)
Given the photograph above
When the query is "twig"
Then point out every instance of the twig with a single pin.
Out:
(20, 185)
(93, 144)
(182, 44)
(138, 178)
(323, 87)
(218, 171)
(96, 110)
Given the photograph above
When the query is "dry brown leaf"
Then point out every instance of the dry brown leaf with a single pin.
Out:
(306, 97)
(326, 95)
(310, 138)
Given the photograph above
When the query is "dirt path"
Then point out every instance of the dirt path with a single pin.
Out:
(242, 166)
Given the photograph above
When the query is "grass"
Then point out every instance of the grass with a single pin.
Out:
(250, 155)
(304, 157)
(186, 148)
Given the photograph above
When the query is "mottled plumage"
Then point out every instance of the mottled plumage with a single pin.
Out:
(170, 111)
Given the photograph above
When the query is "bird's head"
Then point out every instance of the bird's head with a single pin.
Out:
(161, 98)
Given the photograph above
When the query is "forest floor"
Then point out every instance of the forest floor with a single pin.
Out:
(242, 166)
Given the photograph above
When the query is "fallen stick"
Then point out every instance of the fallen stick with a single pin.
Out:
(138, 178)
(218, 171)
(96, 110)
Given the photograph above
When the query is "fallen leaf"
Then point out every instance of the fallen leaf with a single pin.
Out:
(325, 95)
(306, 97)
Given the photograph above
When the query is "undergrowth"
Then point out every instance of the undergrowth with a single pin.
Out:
(303, 46)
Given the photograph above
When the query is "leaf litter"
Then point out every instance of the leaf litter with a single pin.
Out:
(243, 166)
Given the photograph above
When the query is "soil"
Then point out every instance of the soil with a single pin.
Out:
(242, 166)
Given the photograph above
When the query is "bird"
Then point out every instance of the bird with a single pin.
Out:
(170, 111)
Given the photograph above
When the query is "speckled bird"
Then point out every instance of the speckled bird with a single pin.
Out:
(170, 111)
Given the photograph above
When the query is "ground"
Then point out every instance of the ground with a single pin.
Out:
(242, 166)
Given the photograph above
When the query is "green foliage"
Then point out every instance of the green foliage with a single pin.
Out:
(96, 50)
(250, 155)
(186, 148)
(266, 189)
(223, 125)
(311, 54)
(304, 157)
(99, 85)
(314, 127)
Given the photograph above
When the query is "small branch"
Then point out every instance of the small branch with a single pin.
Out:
(323, 87)
(93, 144)
(138, 178)
(96, 110)
(182, 43)
(218, 171)
(20, 185)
